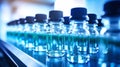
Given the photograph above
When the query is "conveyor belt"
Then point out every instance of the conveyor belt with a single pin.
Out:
(19, 58)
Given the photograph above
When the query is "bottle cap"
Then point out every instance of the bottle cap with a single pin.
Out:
(40, 17)
(16, 22)
(112, 8)
(9, 23)
(100, 24)
(55, 15)
(29, 19)
(22, 21)
(79, 13)
(66, 20)
(92, 18)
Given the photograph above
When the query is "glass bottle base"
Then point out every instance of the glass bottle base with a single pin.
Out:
(55, 53)
(78, 58)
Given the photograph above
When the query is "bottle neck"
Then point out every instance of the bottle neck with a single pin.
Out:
(56, 26)
(78, 23)
(28, 27)
(55, 22)
(92, 26)
(78, 27)
(41, 21)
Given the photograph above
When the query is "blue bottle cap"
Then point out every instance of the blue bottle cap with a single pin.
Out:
(22, 21)
(92, 18)
(66, 20)
(16, 22)
(112, 8)
(10, 23)
(29, 19)
(100, 24)
(79, 13)
(55, 15)
(40, 17)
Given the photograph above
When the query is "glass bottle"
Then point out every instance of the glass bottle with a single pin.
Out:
(55, 46)
(12, 31)
(28, 34)
(39, 36)
(16, 32)
(78, 44)
(21, 37)
(92, 25)
(110, 35)
(9, 31)
(40, 32)
(15, 27)
(67, 27)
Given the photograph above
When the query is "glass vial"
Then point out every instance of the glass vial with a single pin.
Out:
(12, 31)
(9, 31)
(40, 32)
(67, 27)
(28, 34)
(20, 36)
(92, 27)
(110, 35)
(55, 46)
(78, 44)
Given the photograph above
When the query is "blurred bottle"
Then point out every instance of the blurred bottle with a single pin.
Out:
(28, 34)
(110, 41)
(20, 36)
(9, 31)
(40, 32)
(67, 27)
(16, 32)
(55, 46)
(12, 31)
(78, 44)
(92, 25)
(56, 62)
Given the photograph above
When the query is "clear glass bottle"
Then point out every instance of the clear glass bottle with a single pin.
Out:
(67, 27)
(16, 31)
(78, 44)
(40, 32)
(20, 36)
(28, 33)
(55, 46)
(12, 31)
(9, 30)
(110, 35)
(92, 25)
